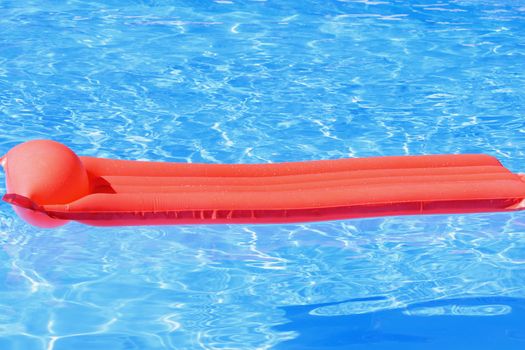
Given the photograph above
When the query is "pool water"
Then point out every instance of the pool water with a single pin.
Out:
(265, 81)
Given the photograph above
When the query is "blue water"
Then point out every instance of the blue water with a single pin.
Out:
(265, 81)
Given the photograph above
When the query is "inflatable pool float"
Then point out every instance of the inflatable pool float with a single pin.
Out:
(49, 185)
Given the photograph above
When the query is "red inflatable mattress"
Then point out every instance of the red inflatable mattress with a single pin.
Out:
(49, 185)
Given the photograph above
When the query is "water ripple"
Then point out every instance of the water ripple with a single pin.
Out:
(259, 81)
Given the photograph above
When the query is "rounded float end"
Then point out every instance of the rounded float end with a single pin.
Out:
(38, 219)
(46, 172)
